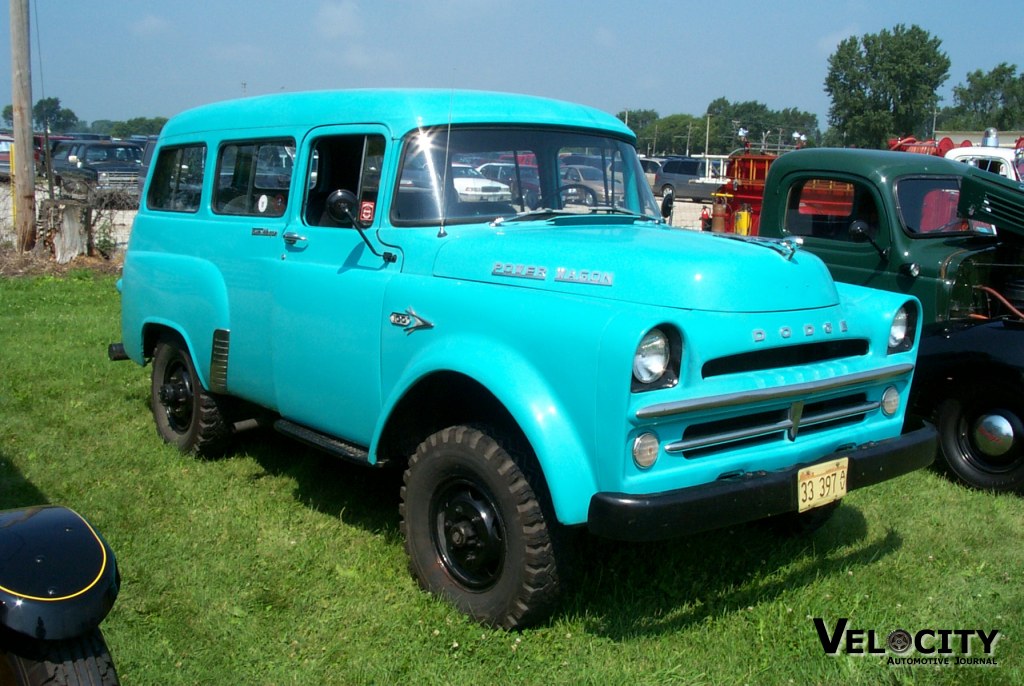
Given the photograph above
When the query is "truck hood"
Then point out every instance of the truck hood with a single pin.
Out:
(994, 199)
(640, 263)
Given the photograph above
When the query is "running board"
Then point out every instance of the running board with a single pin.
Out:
(329, 444)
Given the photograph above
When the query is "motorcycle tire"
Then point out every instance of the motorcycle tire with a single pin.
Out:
(80, 661)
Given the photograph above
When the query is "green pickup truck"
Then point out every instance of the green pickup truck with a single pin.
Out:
(951, 235)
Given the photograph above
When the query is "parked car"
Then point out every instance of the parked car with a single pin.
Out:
(1002, 161)
(590, 186)
(6, 142)
(100, 171)
(686, 178)
(651, 167)
(522, 180)
(472, 186)
(147, 157)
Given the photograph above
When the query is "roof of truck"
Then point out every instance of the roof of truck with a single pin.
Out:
(870, 163)
(401, 110)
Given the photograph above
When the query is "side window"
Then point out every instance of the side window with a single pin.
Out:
(253, 178)
(349, 163)
(826, 208)
(177, 182)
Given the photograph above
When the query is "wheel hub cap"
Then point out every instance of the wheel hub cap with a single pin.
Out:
(174, 393)
(993, 434)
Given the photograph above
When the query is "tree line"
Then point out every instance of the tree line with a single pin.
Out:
(48, 114)
(881, 86)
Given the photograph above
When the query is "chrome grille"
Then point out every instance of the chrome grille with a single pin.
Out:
(120, 181)
(784, 423)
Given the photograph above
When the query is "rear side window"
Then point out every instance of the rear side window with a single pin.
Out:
(253, 178)
(177, 182)
(681, 167)
(828, 208)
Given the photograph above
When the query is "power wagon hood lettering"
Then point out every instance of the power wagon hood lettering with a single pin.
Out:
(650, 266)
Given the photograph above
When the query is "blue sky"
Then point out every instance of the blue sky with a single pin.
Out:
(108, 59)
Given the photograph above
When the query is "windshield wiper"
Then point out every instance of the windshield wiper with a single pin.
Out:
(534, 215)
(546, 213)
(615, 209)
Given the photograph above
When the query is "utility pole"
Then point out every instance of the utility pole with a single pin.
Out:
(23, 168)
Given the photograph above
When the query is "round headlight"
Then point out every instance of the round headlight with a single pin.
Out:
(899, 329)
(651, 359)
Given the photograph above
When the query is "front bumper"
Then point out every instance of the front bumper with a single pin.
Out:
(749, 497)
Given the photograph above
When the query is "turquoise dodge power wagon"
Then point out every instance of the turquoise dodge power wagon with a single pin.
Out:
(535, 353)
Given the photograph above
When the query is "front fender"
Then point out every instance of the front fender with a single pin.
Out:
(967, 352)
(58, 577)
(537, 409)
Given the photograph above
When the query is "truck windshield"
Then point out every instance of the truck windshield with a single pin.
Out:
(928, 207)
(480, 174)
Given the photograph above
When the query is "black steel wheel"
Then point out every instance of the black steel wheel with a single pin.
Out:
(80, 661)
(475, 531)
(981, 436)
(186, 414)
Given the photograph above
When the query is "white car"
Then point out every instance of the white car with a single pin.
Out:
(1000, 161)
(472, 186)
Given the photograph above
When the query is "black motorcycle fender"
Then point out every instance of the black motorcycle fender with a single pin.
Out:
(58, 576)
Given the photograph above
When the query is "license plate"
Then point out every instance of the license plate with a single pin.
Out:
(821, 484)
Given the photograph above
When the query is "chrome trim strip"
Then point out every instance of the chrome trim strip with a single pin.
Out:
(678, 407)
(825, 417)
(728, 437)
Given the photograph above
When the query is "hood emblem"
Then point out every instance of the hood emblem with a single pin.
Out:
(536, 272)
(591, 277)
(409, 321)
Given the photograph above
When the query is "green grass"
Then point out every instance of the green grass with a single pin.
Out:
(277, 565)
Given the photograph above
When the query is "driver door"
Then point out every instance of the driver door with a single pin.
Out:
(328, 291)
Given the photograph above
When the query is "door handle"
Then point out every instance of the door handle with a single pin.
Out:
(291, 237)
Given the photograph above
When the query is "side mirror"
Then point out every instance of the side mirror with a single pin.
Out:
(341, 206)
(860, 232)
(666, 204)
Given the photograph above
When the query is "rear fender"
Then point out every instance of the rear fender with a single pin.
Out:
(184, 294)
